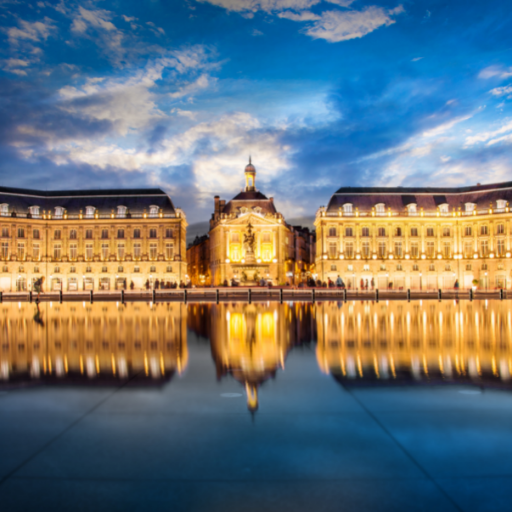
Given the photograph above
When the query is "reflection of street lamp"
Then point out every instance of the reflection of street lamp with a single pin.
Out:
(420, 280)
(486, 283)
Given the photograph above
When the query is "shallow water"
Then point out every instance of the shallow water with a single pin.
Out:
(360, 406)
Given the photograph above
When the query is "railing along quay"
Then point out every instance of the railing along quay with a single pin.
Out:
(249, 295)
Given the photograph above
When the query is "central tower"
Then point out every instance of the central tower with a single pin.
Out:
(250, 177)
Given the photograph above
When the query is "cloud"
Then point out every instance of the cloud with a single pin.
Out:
(491, 136)
(416, 59)
(501, 91)
(444, 127)
(263, 5)
(14, 65)
(336, 26)
(34, 32)
(202, 82)
(302, 16)
(493, 71)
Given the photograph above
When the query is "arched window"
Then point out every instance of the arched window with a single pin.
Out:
(153, 211)
(349, 232)
(347, 209)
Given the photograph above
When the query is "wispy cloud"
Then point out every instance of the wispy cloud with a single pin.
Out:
(35, 32)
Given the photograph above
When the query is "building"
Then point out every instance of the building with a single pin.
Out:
(198, 261)
(250, 240)
(417, 238)
(93, 239)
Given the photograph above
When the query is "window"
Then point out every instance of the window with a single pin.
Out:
(89, 211)
(104, 269)
(5, 232)
(152, 251)
(152, 269)
(366, 249)
(443, 209)
(484, 230)
(59, 212)
(430, 231)
(415, 268)
(468, 231)
(447, 249)
(349, 232)
(136, 269)
(120, 269)
(446, 231)
(35, 252)
(168, 269)
(136, 233)
(399, 268)
(332, 231)
(88, 252)
(414, 231)
(350, 268)
(414, 250)
(484, 248)
(333, 250)
(500, 229)
(347, 209)
(4, 210)
(468, 249)
(88, 234)
(382, 250)
(412, 209)
(432, 268)
(73, 234)
(349, 249)
(88, 269)
(501, 204)
(484, 266)
(5, 268)
(34, 211)
(104, 251)
(500, 247)
(381, 232)
(468, 267)
(121, 211)
(73, 251)
(430, 250)
(334, 268)
(152, 233)
(21, 251)
(56, 234)
(5, 250)
(169, 233)
(153, 211)
(470, 207)
(383, 267)
(72, 270)
(136, 251)
(57, 251)
(365, 232)
(380, 209)
(36, 270)
(104, 234)
(398, 232)
(169, 251)
(398, 249)
(266, 238)
(56, 270)
(21, 233)
(120, 233)
(366, 268)
(35, 234)
(120, 251)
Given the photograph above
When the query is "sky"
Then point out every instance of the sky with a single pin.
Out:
(322, 94)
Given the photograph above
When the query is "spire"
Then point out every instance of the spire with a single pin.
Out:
(250, 176)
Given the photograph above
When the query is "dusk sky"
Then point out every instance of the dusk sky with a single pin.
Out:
(322, 94)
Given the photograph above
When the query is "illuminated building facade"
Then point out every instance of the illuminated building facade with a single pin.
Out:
(249, 240)
(198, 261)
(92, 342)
(85, 240)
(417, 238)
(421, 341)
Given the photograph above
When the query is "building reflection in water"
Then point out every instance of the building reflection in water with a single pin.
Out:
(424, 341)
(251, 341)
(93, 343)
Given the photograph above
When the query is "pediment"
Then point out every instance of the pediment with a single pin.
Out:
(254, 219)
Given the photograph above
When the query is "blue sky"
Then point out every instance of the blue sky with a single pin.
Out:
(322, 94)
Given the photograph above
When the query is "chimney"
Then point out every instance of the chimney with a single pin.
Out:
(216, 199)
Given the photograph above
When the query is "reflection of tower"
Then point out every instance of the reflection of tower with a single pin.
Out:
(250, 342)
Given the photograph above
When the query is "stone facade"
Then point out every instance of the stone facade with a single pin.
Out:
(404, 238)
(90, 239)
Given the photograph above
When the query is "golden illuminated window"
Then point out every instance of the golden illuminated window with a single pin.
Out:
(266, 238)
(381, 232)
(235, 238)
(365, 232)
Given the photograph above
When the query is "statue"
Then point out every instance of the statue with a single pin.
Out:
(249, 243)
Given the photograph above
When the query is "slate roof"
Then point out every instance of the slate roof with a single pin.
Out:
(136, 200)
(428, 198)
(250, 199)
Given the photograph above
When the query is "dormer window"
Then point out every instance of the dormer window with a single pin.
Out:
(257, 210)
(347, 209)
(412, 208)
(470, 207)
(443, 209)
(380, 209)
(59, 212)
(34, 211)
(501, 204)
(4, 209)
(89, 212)
(153, 211)
(121, 211)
